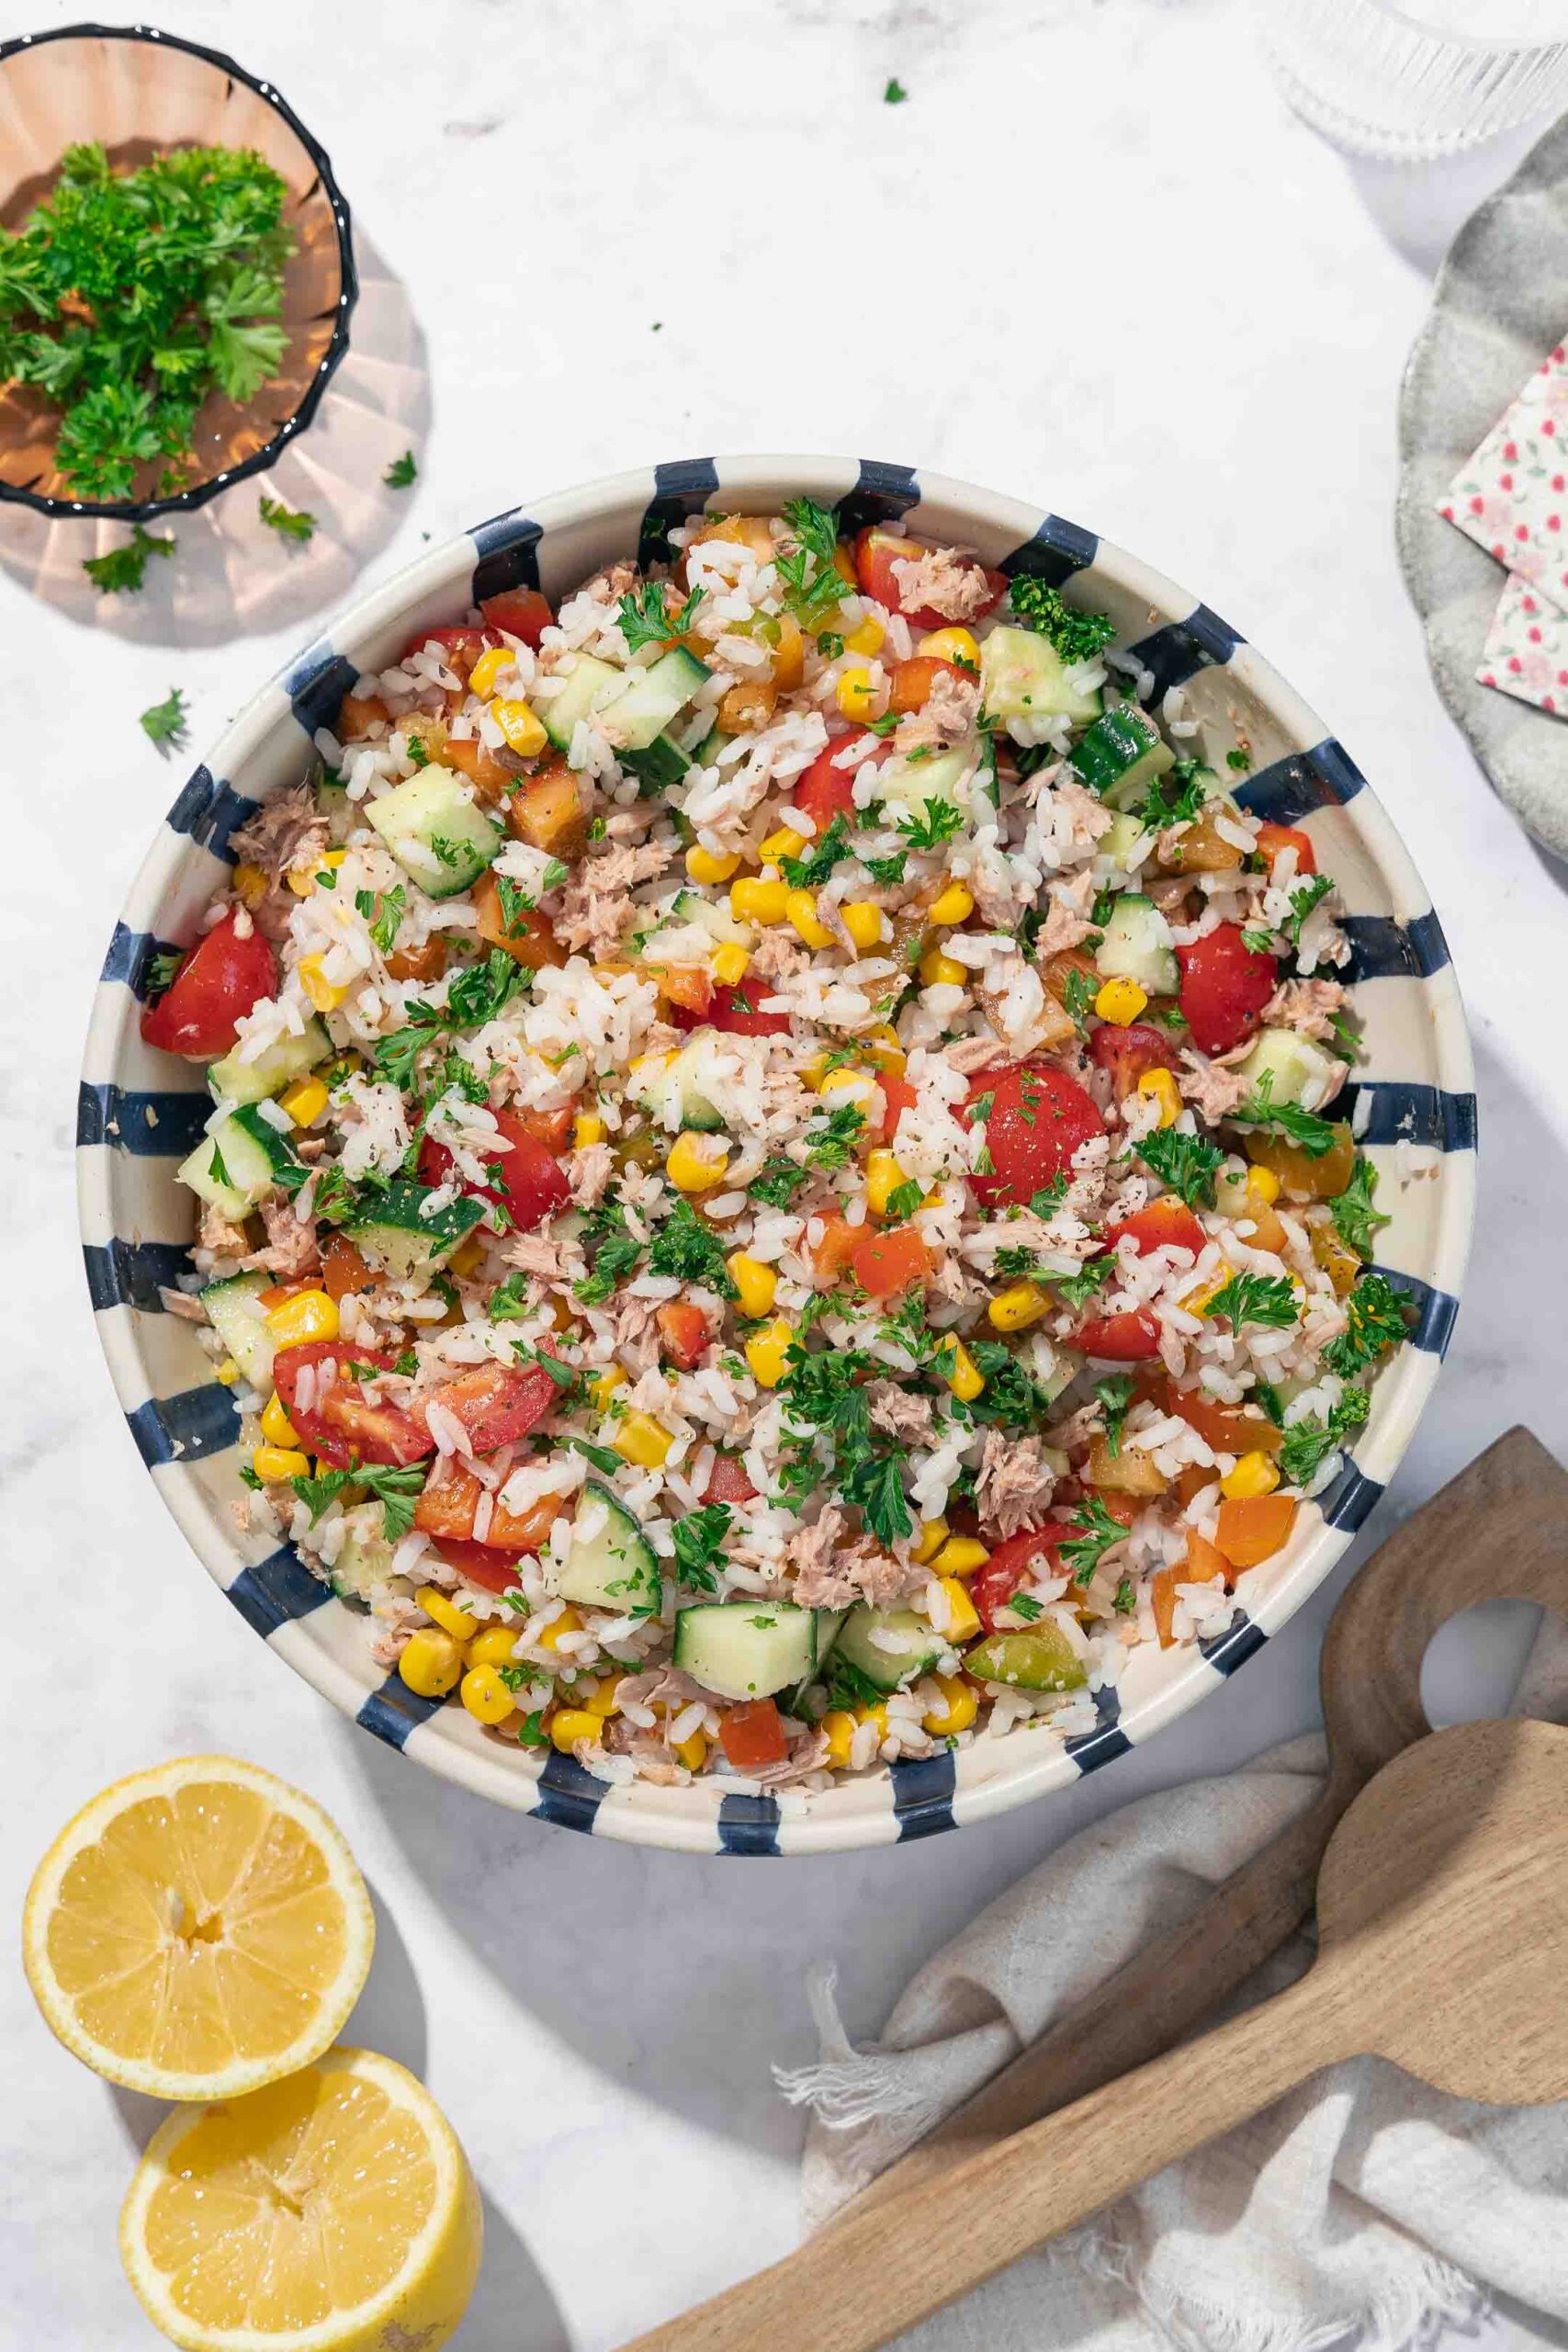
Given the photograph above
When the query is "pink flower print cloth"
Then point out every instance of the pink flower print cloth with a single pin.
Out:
(1526, 650)
(1512, 497)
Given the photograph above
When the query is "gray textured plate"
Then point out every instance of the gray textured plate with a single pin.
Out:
(1501, 304)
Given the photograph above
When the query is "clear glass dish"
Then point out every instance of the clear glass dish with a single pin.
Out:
(1421, 80)
(139, 92)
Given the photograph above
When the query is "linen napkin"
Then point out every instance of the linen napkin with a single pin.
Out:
(1511, 497)
(1364, 2204)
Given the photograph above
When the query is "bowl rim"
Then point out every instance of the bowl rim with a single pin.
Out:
(564, 1793)
(147, 510)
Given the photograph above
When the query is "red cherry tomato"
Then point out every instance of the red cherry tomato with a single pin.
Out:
(910, 682)
(215, 984)
(1119, 1339)
(521, 612)
(1224, 986)
(900, 1096)
(527, 1182)
(683, 1333)
(1272, 839)
(735, 1010)
(1038, 1118)
(877, 552)
(728, 1482)
(1127, 1053)
(496, 1403)
(838, 1245)
(481, 1563)
(1166, 1224)
(459, 647)
(886, 1263)
(686, 986)
(340, 1425)
(825, 790)
(752, 1734)
(1034, 1552)
(447, 1508)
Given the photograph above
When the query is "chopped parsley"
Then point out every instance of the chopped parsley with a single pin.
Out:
(1024, 1605)
(1175, 798)
(816, 528)
(813, 584)
(1012, 1399)
(829, 644)
(216, 1168)
(164, 723)
(1257, 942)
(1079, 992)
(1126, 1599)
(1314, 1135)
(699, 1545)
(895, 94)
(1307, 1444)
(1115, 1396)
(122, 570)
(613, 1250)
(289, 522)
(1379, 1319)
(1076, 1290)
(393, 1486)
(1268, 1300)
(937, 823)
(516, 906)
(777, 1181)
(1097, 1532)
(1302, 902)
(162, 965)
(809, 872)
(387, 916)
(1239, 759)
(1188, 1164)
(605, 1461)
(402, 471)
(888, 871)
(507, 1301)
(691, 1251)
(905, 1199)
(833, 1144)
(1355, 1220)
(849, 1685)
(646, 619)
(476, 995)
(1077, 637)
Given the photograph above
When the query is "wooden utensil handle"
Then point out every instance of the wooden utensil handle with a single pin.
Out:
(885, 2267)
(1146, 2008)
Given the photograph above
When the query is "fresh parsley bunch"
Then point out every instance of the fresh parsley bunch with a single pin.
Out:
(128, 296)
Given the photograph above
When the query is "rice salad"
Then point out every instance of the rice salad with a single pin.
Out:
(773, 1200)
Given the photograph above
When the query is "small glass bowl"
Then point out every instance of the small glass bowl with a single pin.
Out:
(140, 92)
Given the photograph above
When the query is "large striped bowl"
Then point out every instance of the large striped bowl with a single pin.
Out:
(140, 1111)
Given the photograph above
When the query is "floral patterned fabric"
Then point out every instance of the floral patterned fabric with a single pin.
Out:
(1511, 498)
(1526, 651)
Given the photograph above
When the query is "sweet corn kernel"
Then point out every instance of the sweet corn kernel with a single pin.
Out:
(867, 639)
(754, 900)
(856, 695)
(570, 1725)
(587, 1129)
(487, 671)
(1264, 1184)
(1162, 1087)
(801, 908)
(275, 1425)
(883, 1050)
(959, 1705)
(468, 1257)
(303, 879)
(308, 1315)
(963, 1617)
(938, 970)
(251, 885)
(325, 995)
(1120, 1002)
(1255, 1474)
(493, 1645)
(708, 866)
(444, 1610)
(882, 1177)
(523, 731)
(696, 1163)
(756, 1283)
(228, 1373)
(304, 1101)
(693, 1752)
(863, 920)
(549, 1637)
(959, 1556)
(961, 1373)
(432, 1663)
(1015, 1308)
(730, 963)
(839, 1727)
(785, 842)
(602, 1388)
(604, 1699)
(955, 905)
(274, 1462)
(932, 1537)
(959, 645)
(485, 1695)
(766, 1352)
(877, 1715)
(1197, 1300)
(642, 1440)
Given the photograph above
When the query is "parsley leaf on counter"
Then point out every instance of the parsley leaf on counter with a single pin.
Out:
(400, 472)
(122, 570)
(164, 724)
(289, 523)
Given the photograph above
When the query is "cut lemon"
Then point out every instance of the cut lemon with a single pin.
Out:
(197, 1930)
(333, 2212)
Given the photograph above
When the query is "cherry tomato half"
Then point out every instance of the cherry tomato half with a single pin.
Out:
(728, 1482)
(1119, 1339)
(1034, 1551)
(827, 790)
(910, 682)
(215, 985)
(1272, 839)
(446, 1509)
(1128, 1053)
(481, 1563)
(459, 647)
(526, 1181)
(340, 1425)
(1224, 986)
(1038, 1118)
(877, 552)
(752, 1734)
(521, 612)
(1165, 1224)
(898, 1096)
(735, 1011)
(887, 1264)
(683, 1333)
(496, 1403)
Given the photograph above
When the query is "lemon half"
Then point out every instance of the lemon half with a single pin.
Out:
(197, 1930)
(333, 2212)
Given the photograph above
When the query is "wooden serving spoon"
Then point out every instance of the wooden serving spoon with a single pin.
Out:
(1443, 1920)
(1498, 1531)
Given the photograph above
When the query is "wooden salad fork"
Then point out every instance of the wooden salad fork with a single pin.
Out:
(1442, 1907)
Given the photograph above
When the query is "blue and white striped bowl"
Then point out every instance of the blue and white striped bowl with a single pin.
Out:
(141, 1112)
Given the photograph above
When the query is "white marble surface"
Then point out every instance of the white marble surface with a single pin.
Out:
(534, 190)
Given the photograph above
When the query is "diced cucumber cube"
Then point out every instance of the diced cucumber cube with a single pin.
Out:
(276, 1066)
(1137, 944)
(1296, 1070)
(1023, 677)
(393, 1236)
(436, 830)
(235, 1314)
(1120, 756)
(889, 1646)
(611, 1563)
(746, 1649)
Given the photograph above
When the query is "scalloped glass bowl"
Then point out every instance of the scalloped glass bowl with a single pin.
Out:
(138, 92)
(141, 1111)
